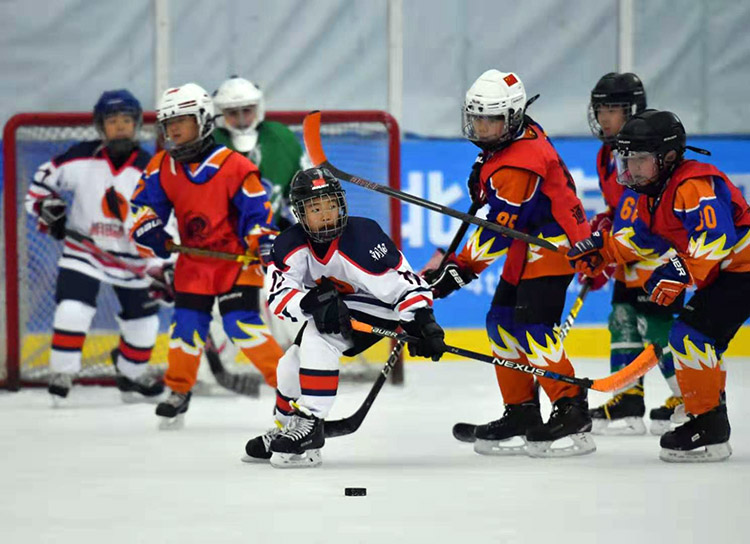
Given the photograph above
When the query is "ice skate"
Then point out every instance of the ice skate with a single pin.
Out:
(171, 412)
(298, 443)
(59, 387)
(465, 432)
(258, 449)
(566, 433)
(621, 415)
(704, 438)
(144, 388)
(661, 416)
(507, 435)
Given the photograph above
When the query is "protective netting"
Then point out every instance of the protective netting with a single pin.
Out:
(357, 147)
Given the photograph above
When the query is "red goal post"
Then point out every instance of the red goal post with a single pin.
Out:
(364, 142)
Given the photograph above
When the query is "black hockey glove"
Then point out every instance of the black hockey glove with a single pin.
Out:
(431, 336)
(52, 217)
(477, 190)
(450, 277)
(329, 312)
(162, 290)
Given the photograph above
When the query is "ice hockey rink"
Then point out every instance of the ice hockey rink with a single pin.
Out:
(99, 471)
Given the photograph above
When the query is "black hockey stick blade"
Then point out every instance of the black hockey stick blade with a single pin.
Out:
(347, 425)
(314, 147)
(241, 383)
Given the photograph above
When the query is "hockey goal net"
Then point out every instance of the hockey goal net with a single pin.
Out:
(362, 142)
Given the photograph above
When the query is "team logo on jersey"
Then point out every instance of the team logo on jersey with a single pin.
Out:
(379, 251)
(114, 205)
(196, 227)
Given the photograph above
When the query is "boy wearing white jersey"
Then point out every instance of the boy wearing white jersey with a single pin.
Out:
(101, 175)
(327, 269)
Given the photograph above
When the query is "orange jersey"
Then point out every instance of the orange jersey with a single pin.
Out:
(530, 190)
(701, 215)
(219, 205)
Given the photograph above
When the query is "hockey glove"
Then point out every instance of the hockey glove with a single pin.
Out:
(450, 277)
(599, 281)
(602, 221)
(151, 234)
(52, 217)
(431, 342)
(477, 189)
(162, 290)
(589, 256)
(668, 281)
(329, 312)
(265, 246)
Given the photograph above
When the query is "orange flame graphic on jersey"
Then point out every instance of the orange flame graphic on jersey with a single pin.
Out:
(694, 357)
(545, 355)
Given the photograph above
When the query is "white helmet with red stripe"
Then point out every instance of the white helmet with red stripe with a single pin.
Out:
(188, 99)
(494, 108)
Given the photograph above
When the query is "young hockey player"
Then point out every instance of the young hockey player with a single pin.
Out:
(528, 188)
(693, 209)
(327, 269)
(634, 320)
(101, 176)
(219, 204)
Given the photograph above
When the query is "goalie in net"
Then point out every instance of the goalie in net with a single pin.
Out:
(97, 177)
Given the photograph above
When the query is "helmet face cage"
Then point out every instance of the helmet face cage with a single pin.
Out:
(628, 108)
(321, 203)
(188, 100)
(238, 93)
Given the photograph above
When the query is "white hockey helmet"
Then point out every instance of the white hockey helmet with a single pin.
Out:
(495, 95)
(188, 99)
(236, 93)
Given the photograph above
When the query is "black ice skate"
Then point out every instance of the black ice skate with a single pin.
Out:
(620, 415)
(566, 433)
(258, 449)
(298, 443)
(144, 387)
(507, 435)
(59, 386)
(661, 416)
(703, 438)
(172, 411)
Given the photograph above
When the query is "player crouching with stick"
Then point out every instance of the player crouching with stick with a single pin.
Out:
(327, 269)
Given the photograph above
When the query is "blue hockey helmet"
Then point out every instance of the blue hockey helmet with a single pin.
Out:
(119, 101)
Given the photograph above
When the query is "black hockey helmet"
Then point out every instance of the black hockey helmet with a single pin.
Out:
(658, 134)
(616, 90)
(317, 190)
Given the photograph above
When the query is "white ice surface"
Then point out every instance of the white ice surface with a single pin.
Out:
(99, 471)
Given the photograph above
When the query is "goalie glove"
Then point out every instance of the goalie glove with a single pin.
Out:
(668, 281)
(431, 336)
(330, 314)
(52, 217)
(448, 278)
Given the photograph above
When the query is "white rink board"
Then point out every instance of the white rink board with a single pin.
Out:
(98, 471)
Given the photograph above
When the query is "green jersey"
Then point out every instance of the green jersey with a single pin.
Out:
(278, 154)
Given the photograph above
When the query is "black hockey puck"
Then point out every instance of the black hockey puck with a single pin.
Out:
(355, 491)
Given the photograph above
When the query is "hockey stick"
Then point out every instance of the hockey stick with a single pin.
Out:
(243, 384)
(347, 425)
(647, 359)
(200, 252)
(311, 135)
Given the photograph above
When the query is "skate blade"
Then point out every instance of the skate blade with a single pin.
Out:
(254, 460)
(171, 423)
(704, 454)
(626, 426)
(131, 397)
(660, 426)
(568, 446)
(56, 401)
(309, 459)
(515, 445)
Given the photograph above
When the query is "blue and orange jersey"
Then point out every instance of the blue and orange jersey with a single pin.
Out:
(701, 215)
(219, 205)
(530, 190)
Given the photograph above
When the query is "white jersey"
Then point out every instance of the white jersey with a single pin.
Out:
(370, 273)
(87, 174)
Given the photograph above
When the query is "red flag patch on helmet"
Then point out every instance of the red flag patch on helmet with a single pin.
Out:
(510, 79)
(320, 182)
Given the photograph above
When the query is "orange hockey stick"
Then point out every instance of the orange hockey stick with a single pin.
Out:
(648, 358)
